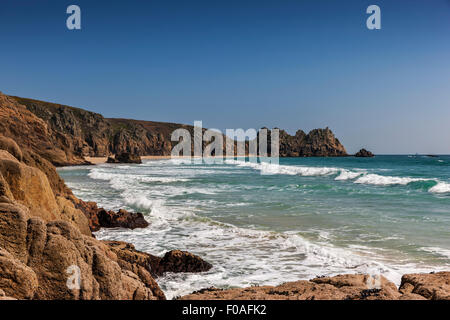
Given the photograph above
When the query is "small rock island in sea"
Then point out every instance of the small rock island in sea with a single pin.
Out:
(363, 153)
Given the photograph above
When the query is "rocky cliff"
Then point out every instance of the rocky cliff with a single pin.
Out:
(45, 238)
(76, 133)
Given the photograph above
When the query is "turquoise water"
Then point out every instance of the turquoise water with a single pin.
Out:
(267, 224)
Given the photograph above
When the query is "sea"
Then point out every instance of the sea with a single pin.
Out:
(266, 224)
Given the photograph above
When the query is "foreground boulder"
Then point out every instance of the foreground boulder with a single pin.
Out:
(125, 157)
(37, 260)
(433, 286)
(29, 186)
(363, 153)
(342, 287)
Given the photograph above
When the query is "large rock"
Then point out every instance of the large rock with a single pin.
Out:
(181, 261)
(317, 143)
(342, 287)
(101, 218)
(363, 153)
(173, 261)
(30, 187)
(121, 219)
(38, 260)
(345, 287)
(433, 286)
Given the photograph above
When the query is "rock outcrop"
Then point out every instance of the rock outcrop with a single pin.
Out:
(433, 286)
(30, 187)
(173, 261)
(121, 219)
(47, 250)
(363, 153)
(100, 218)
(317, 143)
(341, 287)
(37, 260)
(125, 157)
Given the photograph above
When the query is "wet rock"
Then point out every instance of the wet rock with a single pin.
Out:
(121, 219)
(100, 218)
(173, 261)
(182, 261)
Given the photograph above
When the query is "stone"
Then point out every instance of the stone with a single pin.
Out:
(363, 153)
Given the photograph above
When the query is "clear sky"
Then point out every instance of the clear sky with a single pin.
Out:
(243, 64)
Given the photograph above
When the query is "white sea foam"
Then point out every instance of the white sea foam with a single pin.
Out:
(379, 180)
(348, 175)
(361, 176)
(439, 251)
(440, 187)
(270, 168)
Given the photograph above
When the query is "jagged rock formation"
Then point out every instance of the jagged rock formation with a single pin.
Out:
(317, 143)
(363, 153)
(341, 287)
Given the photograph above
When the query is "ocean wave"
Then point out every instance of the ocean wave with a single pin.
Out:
(348, 175)
(270, 169)
(440, 187)
(375, 179)
(439, 251)
(361, 176)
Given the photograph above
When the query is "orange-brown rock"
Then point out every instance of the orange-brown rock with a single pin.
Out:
(433, 286)
(33, 133)
(341, 287)
(36, 260)
(121, 219)
(29, 186)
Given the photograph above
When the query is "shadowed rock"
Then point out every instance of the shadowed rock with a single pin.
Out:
(363, 153)
(125, 157)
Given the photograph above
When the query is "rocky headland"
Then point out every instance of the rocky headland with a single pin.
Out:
(46, 231)
(65, 135)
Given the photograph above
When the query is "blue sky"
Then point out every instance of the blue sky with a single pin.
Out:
(243, 64)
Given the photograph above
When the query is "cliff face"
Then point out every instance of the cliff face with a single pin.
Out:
(83, 133)
(87, 133)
